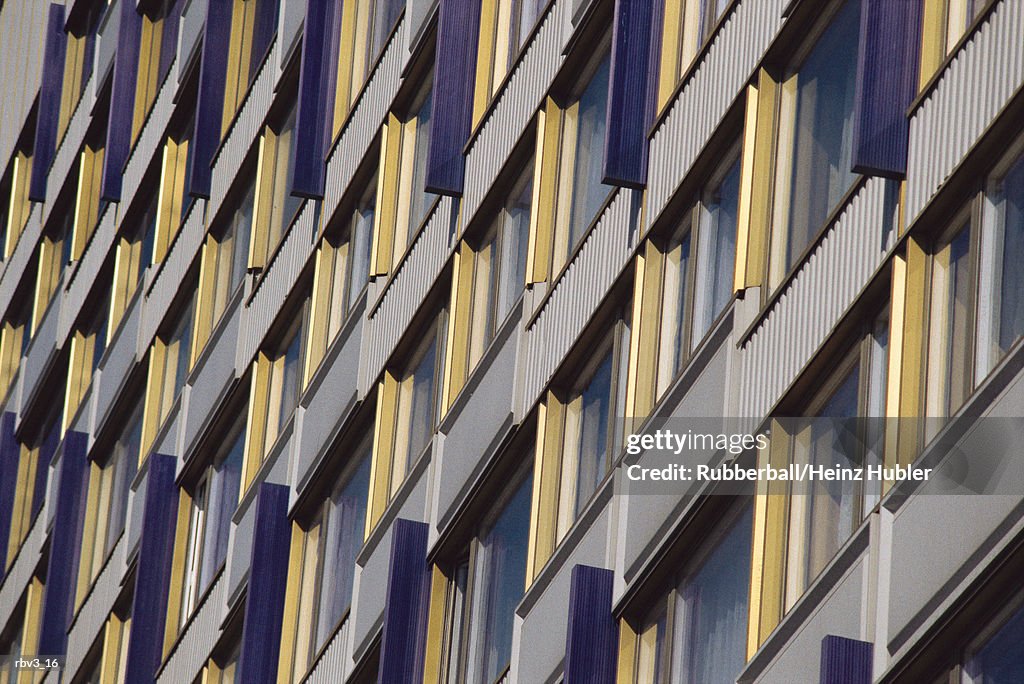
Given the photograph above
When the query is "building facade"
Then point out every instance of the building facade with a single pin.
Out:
(324, 325)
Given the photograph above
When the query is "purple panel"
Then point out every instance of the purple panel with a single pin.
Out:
(48, 111)
(458, 28)
(47, 450)
(153, 575)
(887, 70)
(268, 579)
(405, 609)
(592, 639)
(9, 452)
(169, 38)
(845, 661)
(210, 100)
(64, 544)
(122, 102)
(263, 31)
(629, 94)
(316, 97)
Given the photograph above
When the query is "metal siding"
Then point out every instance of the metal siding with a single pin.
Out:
(454, 69)
(45, 345)
(16, 265)
(887, 73)
(802, 318)
(9, 456)
(118, 359)
(194, 646)
(401, 651)
(14, 583)
(625, 161)
(723, 71)
(970, 93)
(23, 23)
(65, 543)
(66, 159)
(593, 634)
(88, 623)
(407, 290)
(363, 124)
(48, 111)
(86, 270)
(122, 101)
(514, 110)
(264, 605)
(169, 36)
(845, 661)
(107, 39)
(333, 663)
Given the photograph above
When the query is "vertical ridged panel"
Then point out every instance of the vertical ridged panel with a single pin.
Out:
(629, 114)
(334, 661)
(514, 111)
(592, 636)
(803, 316)
(577, 295)
(20, 574)
(719, 78)
(91, 617)
(118, 360)
(23, 26)
(66, 157)
(976, 85)
(193, 648)
(87, 269)
(407, 290)
(172, 271)
(20, 260)
(148, 146)
(242, 135)
(845, 661)
(44, 345)
(277, 282)
(48, 109)
(363, 123)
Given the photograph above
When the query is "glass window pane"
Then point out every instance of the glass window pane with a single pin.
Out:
(1001, 659)
(514, 241)
(290, 377)
(588, 193)
(718, 243)
(421, 421)
(1011, 277)
(225, 482)
(711, 612)
(500, 577)
(593, 432)
(822, 155)
(421, 200)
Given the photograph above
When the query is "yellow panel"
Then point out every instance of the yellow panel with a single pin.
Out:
(484, 58)
(626, 673)
(290, 621)
(773, 529)
(30, 627)
(546, 483)
(383, 440)
(151, 412)
(671, 44)
(263, 204)
(387, 189)
(89, 534)
(911, 391)
(933, 39)
(346, 64)
(436, 627)
(256, 427)
(179, 558)
(746, 189)
(759, 158)
(897, 325)
(563, 183)
(545, 184)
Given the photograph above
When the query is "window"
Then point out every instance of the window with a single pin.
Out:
(276, 207)
(322, 574)
(823, 514)
(479, 636)
(169, 364)
(698, 634)
(253, 23)
(11, 644)
(504, 27)
(158, 43)
(365, 28)
(945, 24)
(134, 255)
(407, 414)
(571, 147)
(78, 58)
(224, 265)
(14, 204)
(341, 273)
(54, 255)
(950, 337)
(14, 341)
(687, 26)
(403, 202)
(490, 277)
(32, 478)
(277, 385)
(579, 436)
(107, 500)
(204, 523)
(815, 140)
(174, 201)
(88, 206)
(88, 344)
(996, 658)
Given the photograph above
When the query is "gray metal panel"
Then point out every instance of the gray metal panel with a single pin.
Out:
(814, 300)
(335, 662)
(277, 282)
(330, 397)
(363, 124)
(190, 31)
(240, 549)
(417, 14)
(514, 111)
(106, 48)
(13, 584)
(243, 134)
(171, 273)
(974, 88)
(407, 289)
(118, 359)
(23, 26)
(87, 269)
(92, 616)
(213, 375)
(21, 259)
(45, 344)
(65, 159)
(148, 147)
(578, 293)
(541, 634)
(290, 20)
(482, 416)
(720, 76)
(194, 646)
